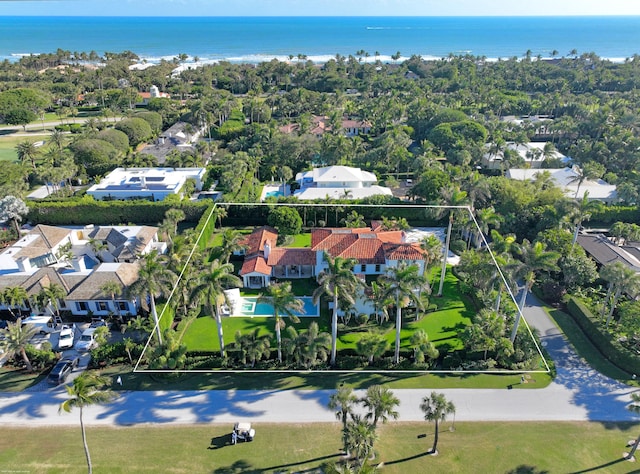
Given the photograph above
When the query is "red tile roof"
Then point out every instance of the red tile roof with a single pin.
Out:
(360, 243)
(255, 264)
(291, 256)
(255, 241)
(403, 252)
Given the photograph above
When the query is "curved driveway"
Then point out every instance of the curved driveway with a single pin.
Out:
(577, 393)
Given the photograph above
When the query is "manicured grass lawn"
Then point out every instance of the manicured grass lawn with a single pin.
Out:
(585, 348)
(301, 240)
(8, 147)
(471, 448)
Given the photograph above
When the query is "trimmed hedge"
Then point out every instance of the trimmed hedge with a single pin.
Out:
(209, 226)
(610, 214)
(606, 344)
(87, 211)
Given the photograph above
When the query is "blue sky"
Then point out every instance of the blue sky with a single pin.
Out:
(317, 7)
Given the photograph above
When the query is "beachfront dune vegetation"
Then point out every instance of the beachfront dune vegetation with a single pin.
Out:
(429, 129)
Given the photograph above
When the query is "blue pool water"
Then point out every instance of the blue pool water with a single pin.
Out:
(272, 194)
(251, 307)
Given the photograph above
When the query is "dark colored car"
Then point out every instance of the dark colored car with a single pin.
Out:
(61, 371)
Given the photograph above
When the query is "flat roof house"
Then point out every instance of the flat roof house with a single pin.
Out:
(145, 183)
(338, 182)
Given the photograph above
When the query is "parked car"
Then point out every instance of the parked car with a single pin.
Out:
(87, 340)
(61, 370)
(97, 322)
(242, 432)
(65, 341)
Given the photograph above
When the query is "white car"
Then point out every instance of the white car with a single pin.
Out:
(87, 341)
(65, 341)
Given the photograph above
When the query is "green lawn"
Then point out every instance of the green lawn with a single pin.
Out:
(300, 240)
(533, 448)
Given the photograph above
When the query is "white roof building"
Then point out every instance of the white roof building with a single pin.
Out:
(150, 183)
(338, 182)
(531, 153)
(598, 189)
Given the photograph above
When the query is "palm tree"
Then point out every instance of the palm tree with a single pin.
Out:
(311, 345)
(87, 389)
(16, 338)
(371, 345)
(339, 282)
(231, 242)
(485, 218)
(112, 288)
(51, 295)
(533, 259)
(381, 404)
(403, 283)
(174, 216)
(360, 438)
(154, 278)
(252, 347)
(218, 278)
(452, 198)
(343, 402)
(582, 212)
(436, 408)
(621, 279)
(284, 303)
(27, 151)
(14, 297)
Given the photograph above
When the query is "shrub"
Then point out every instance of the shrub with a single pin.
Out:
(118, 139)
(154, 119)
(137, 129)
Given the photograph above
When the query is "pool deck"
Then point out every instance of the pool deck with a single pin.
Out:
(269, 188)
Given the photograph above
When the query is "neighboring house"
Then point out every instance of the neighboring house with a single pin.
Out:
(565, 178)
(79, 260)
(541, 124)
(145, 183)
(375, 251)
(338, 182)
(604, 252)
(154, 93)
(175, 137)
(532, 153)
(320, 125)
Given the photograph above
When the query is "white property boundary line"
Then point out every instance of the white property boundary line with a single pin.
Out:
(338, 371)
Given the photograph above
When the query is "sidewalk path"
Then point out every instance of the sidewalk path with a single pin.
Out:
(578, 393)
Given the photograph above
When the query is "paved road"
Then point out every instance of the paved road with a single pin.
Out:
(578, 393)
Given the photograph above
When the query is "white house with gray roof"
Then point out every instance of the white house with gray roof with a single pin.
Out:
(338, 182)
(79, 260)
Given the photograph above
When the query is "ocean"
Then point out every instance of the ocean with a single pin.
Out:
(256, 39)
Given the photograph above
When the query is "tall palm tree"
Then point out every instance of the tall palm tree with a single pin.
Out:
(154, 278)
(486, 218)
(533, 258)
(452, 198)
(16, 338)
(431, 247)
(213, 282)
(112, 288)
(87, 389)
(51, 295)
(252, 347)
(284, 303)
(340, 283)
(436, 408)
(583, 208)
(404, 283)
(343, 401)
(174, 216)
(381, 404)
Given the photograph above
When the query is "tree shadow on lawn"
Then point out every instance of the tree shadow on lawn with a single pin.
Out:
(241, 466)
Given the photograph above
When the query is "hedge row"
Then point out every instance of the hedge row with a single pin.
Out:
(610, 214)
(606, 344)
(85, 211)
(208, 223)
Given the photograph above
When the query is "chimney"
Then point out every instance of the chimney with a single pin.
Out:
(267, 249)
(24, 264)
(78, 263)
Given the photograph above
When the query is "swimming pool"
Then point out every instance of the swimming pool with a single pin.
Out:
(250, 306)
(273, 194)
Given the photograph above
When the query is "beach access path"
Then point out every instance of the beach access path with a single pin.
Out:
(577, 394)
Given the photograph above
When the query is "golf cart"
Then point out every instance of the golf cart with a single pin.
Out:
(242, 432)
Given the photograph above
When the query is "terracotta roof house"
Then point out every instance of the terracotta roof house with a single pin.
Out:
(79, 260)
(374, 250)
(338, 182)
